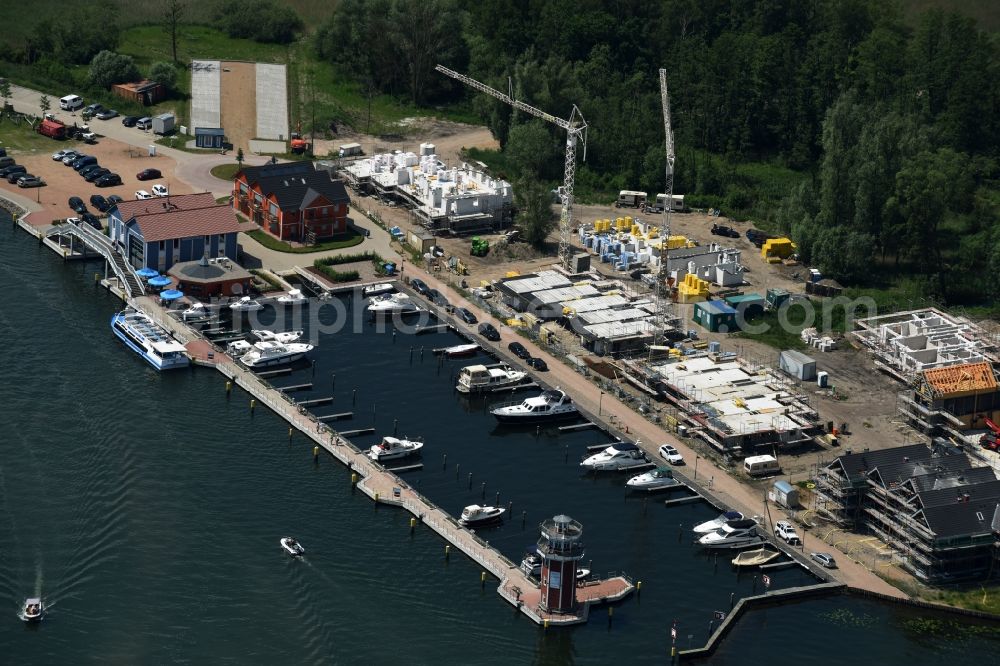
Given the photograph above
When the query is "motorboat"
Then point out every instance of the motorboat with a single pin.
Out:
(33, 610)
(476, 516)
(377, 289)
(457, 351)
(246, 304)
(284, 337)
(480, 379)
(391, 448)
(149, 340)
(716, 523)
(616, 458)
(238, 348)
(292, 547)
(549, 406)
(657, 479)
(389, 304)
(293, 297)
(755, 558)
(734, 534)
(196, 311)
(274, 353)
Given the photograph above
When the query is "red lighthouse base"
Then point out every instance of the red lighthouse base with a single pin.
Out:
(558, 585)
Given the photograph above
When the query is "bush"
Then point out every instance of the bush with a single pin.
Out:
(164, 73)
(108, 68)
(259, 20)
(347, 259)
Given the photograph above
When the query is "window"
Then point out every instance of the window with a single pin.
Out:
(177, 243)
(243, 188)
(163, 246)
(273, 210)
(208, 240)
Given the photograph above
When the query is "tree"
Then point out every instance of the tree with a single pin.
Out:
(533, 151)
(44, 104)
(165, 73)
(4, 92)
(259, 20)
(534, 210)
(172, 15)
(108, 68)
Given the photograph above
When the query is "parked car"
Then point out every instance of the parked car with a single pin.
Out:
(106, 114)
(437, 297)
(489, 331)
(72, 157)
(825, 559)
(93, 109)
(148, 174)
(7, 169)
(89, 168)
(92, 220)
(671, 455)
(114, 199)
(130, 121)
(723, 230)
(144, 123)
(30, 181)
(160, 190)
(76, 204)
(89, 137)
(72, 220)
(15, 172)
(537, 363)
(784, 529)
(96, 175)
(420, 286)
(143, 194)
(99, 202)
(466, 315)
(519, 350)
(110, 180)
(59, 155)
(84, 161)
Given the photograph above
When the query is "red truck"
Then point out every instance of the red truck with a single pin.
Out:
(52, 128)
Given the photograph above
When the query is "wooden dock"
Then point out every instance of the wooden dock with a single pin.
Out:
(577, 426)
(316, 401)
(295, 387)
(275, 373)
(359, 431)
(336, 417)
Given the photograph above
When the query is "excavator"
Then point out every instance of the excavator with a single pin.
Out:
(991, 440)
(298, 143)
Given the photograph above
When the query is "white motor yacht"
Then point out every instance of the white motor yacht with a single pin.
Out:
(549, 406)
(377, 289)
(292, 547)
(734, 534)
(480, 379)
(716, 523)
(475, 515)
(657, 479)
(457, 351)
(615, 458)
(389, 304)
(196, 311)
(274, 353)
(293, 297)
(238, 348)
(272, 336)
(246, 304)
(393, 447)
(33, 610)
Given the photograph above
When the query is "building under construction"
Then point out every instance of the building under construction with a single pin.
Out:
(953, 400)
(938, 513)
(456, 200)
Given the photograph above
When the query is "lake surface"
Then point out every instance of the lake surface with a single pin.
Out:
(146, 509)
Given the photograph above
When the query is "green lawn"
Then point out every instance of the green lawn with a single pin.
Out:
(226, 171)
(349, 239)
(20, 137)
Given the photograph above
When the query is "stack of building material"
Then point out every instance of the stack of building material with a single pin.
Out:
(777, 248)
(692, 290)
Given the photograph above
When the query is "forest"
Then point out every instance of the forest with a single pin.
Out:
(871, 139)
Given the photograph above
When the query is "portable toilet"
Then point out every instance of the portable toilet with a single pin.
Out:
(823, 379)
(784, 494)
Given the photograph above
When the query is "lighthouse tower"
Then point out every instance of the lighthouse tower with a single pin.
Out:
(560, 548)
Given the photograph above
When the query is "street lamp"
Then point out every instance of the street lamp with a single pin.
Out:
(696, 467)
(600, 402)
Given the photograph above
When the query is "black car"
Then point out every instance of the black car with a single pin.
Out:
(437, 297)
(7, 169)
(466, 315)
(420, 286)
(489, 331)
(96, 174)
(114, 199)
(110, 180)
(15, 172)
(537, 364)
(92, 220)
(723, 230)
(130, 121)
(519, 350)
(99, 202)
(76, 203)
(87, 170)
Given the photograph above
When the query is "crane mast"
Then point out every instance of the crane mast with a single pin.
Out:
(661, 277)
(576, 133)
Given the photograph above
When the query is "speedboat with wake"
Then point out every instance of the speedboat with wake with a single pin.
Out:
(475, 515)
(265, 354)
(284, 337)
(716, 523)
(616, 458)
(292, 547)
(551, 405)
(33, 610)
(149, 340)
(657, 479)
(392, 448)
(480, 379)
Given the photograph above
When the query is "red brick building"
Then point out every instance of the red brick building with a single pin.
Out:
(292, 201)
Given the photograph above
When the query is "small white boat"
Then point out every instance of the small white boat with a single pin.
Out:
(196, 311)
(33, 610)
(549, 406)
(377, 289)
(393, 447)
(389, 304)
(716, 523)
(480, 379)
(292, 547)
(271, 336)
(657, 479)
(755, 558)
(274, 353)
(475, 515)
(616, 458)
(734, 534)
(458, 351)
(238, 348)
(246, 304)
(293, 297)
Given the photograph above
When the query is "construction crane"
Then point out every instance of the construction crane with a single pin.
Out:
(576, 132)
(661, 277)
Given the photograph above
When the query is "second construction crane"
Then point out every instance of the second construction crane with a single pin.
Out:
(662, 302)
(576, 133)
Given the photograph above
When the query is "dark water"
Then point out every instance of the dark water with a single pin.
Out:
(146, 510)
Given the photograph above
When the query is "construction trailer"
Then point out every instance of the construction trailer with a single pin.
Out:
(797, 365)
(52, 129)
(716, 316)
(631, 199)
(164, 123)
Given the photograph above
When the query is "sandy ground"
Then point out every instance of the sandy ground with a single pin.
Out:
(448, 138)
(239, 103)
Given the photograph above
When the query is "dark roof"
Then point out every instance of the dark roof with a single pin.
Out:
(963, 518)
(958, 478)
(257, 173)
(184, 216)
(856, 465)
(295, 185)
(203, 271)
(905, 470)
(209, 131)
(977, 492)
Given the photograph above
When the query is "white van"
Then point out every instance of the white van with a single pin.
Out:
(761, 465)
(144, 123)
(70, 102)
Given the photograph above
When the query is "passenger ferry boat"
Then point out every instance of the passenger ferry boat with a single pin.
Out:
(549, 406)
(149, 340)
(480, 379)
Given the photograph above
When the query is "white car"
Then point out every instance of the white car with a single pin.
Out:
(160, 190)
(671, 455)
(784, 529)
(143, 194)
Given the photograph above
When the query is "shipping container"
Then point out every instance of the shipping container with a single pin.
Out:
(797, 365)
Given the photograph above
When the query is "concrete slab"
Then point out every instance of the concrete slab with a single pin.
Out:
(267, 147)
(206, 94)
(272, 102)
